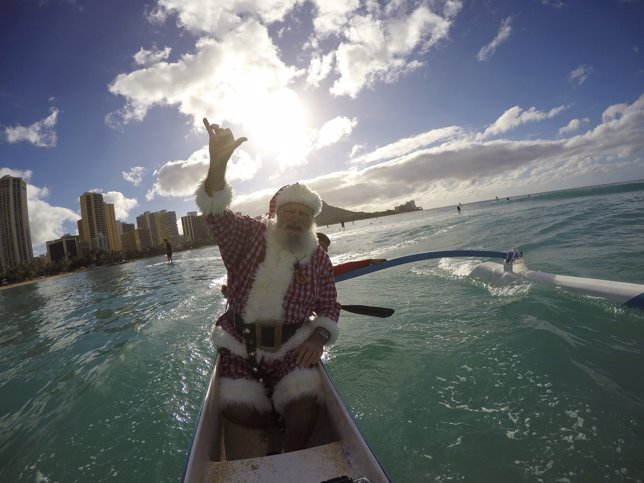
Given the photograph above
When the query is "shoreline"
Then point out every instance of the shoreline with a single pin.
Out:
(36, 280)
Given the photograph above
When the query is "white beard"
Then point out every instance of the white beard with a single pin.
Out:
(273, 276)
(300, 243)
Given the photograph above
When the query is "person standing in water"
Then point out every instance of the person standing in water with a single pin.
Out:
(168, 250)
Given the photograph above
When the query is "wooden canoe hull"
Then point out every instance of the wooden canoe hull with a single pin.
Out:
(224, 452)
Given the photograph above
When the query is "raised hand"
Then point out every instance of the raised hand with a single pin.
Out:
(221, 145)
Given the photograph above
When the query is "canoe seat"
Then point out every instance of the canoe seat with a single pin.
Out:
(308, 465)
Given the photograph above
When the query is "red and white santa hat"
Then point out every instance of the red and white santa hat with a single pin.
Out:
(295, 193)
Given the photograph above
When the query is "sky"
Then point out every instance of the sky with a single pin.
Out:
(371, 103)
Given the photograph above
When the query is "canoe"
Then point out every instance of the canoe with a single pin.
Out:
(225, 452)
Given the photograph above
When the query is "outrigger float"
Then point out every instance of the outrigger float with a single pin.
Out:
(514, 268)
(337, 452)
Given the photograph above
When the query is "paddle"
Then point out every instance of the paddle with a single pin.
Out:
(382, 312)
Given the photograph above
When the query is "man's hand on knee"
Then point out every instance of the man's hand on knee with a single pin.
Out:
(310, 352)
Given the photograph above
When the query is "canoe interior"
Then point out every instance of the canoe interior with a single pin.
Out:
(224, 452)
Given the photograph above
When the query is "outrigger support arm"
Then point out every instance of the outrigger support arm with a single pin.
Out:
(392, 262)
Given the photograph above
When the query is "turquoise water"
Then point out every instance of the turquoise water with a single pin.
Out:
(102, 373)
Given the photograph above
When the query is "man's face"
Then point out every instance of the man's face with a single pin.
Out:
(294, 217)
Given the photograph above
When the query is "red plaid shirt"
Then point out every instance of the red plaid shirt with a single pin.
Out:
(243, 247)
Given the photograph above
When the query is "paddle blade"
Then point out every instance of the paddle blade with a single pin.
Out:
(382, 312)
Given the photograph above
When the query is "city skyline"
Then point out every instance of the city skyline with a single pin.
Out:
(97, 225)
(371, 103)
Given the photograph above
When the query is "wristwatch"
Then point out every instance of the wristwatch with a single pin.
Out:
(323, 333)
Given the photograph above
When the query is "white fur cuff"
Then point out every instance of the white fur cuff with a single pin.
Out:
(245, 392)
(301, 382)
(215, 204)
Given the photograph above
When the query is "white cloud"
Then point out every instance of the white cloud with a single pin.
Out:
(237, 81)
(200, 16)
(41, 133)
(16, 173)
(134, 175)
(580, 75)
(46, 222)
(149, 57)
(502, 36)
(516, 116)
(319, 68)
(334, 130)
(357, 149)
(407, 145)
(332, 15)
(382, 48)
(572, 126)
(122, 205)
(463, 168)
(236, 76)
(554, 3)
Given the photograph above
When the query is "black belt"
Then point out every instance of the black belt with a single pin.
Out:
(265, 336)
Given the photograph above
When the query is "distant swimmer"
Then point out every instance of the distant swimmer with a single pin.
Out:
(497, 198)
(458, 208)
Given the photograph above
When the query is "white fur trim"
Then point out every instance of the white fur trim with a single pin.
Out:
(301, 382)
(300, 337)
(299, 193)
(243, 391)
(273, 277)
(330, 325)
(296, 340)
(215, 204)
(221, 338)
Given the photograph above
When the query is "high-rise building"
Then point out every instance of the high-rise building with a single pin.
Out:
(67, 246)
(126, 227)
(167, 225)
(113, 235)
(97, 226)
(15, 237)
(123, 227)
(148, 221)
(92, 226)
(136, 240)
(195, 226)
(162, 224)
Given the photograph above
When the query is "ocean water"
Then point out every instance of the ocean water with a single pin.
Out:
(102, 373)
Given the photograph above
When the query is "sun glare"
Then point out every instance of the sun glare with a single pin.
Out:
(277, 125)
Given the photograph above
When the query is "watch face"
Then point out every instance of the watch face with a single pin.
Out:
(325, 334)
